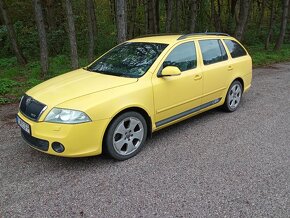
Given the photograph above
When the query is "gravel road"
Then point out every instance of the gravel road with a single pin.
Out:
(214, 165)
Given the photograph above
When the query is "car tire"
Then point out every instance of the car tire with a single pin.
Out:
(234, 97)
(126, 135)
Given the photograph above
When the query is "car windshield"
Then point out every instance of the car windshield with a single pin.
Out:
(130, 59)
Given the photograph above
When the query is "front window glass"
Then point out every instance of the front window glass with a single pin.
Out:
(131, 59)
(183, 57)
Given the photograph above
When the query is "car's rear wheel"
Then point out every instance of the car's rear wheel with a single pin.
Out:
(234, 97)
(126, 135)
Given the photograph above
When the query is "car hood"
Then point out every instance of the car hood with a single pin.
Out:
(75, 84)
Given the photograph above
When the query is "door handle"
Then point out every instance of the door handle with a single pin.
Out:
(230, 68)
(197, 77)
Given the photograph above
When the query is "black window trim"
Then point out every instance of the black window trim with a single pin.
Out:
(221, 44)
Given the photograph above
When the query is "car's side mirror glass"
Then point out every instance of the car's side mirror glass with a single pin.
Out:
(170, 71)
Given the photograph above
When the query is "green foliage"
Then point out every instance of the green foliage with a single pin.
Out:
(262, 57)
(6, 85)
(55, 45)
(16, 79)
(33, 82)
(28, 39)
(8, 62)
(7, 88)
(4, 100)
(5, 47)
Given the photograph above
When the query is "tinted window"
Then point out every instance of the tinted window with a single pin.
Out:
(183, 57)
(131, 59)
(235, 48)
(213, 51)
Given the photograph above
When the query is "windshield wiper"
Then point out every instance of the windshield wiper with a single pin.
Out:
(87, 69)
(110, 73)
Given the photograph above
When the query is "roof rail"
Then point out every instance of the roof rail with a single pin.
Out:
(206, 33)
(158, 34)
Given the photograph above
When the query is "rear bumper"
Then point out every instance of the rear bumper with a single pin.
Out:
(79, 140)
(247, 82)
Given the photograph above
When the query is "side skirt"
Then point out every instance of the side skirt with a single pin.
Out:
(188, 112)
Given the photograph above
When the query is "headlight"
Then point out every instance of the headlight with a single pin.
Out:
(58, 115)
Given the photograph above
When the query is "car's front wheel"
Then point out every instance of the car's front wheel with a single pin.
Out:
(234, 96)
(126, 135)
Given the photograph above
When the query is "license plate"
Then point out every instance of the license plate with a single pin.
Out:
(23, 125)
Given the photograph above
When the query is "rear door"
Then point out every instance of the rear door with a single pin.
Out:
(216, 69)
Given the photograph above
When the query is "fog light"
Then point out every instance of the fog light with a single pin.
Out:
(57, 147)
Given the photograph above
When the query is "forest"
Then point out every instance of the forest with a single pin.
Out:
(43, 38)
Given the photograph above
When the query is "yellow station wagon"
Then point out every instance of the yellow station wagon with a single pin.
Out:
(134, 89)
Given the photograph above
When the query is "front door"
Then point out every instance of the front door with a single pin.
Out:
(176, 96)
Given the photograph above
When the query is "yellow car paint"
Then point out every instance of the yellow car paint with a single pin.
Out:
(103, 97)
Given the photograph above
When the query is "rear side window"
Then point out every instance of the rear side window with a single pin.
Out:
(212, 51)
(183, 57)
(235, 48)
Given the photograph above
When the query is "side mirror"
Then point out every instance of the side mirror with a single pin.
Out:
(170, 71)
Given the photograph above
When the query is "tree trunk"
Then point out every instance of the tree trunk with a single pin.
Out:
(176, 16)
(193, 13)
(113, 10)
(132, 21)
(283, 26)
(271, 24)
(261, 18)
(72, 34)
(146, 17)
(92, 27)
(233, 7)
(216, 16)
(11, 32)
(169, 13)
(153, 16)
(242, 19)
(94, 18)
(42, 37)
(121, 19)
(157, 16)
(231, 11)
(49, 6)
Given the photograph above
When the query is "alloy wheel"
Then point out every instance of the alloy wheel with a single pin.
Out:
(235, 95)
(128, 136)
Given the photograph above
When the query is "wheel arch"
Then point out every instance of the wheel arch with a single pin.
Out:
(137, 109)
(241, 81)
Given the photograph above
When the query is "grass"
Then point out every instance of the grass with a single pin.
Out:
(262, 57)
(15, 79)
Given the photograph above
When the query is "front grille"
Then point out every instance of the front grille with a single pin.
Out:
(35, 142)
(31, 108)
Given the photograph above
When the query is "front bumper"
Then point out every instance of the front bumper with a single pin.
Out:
(79, 140)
